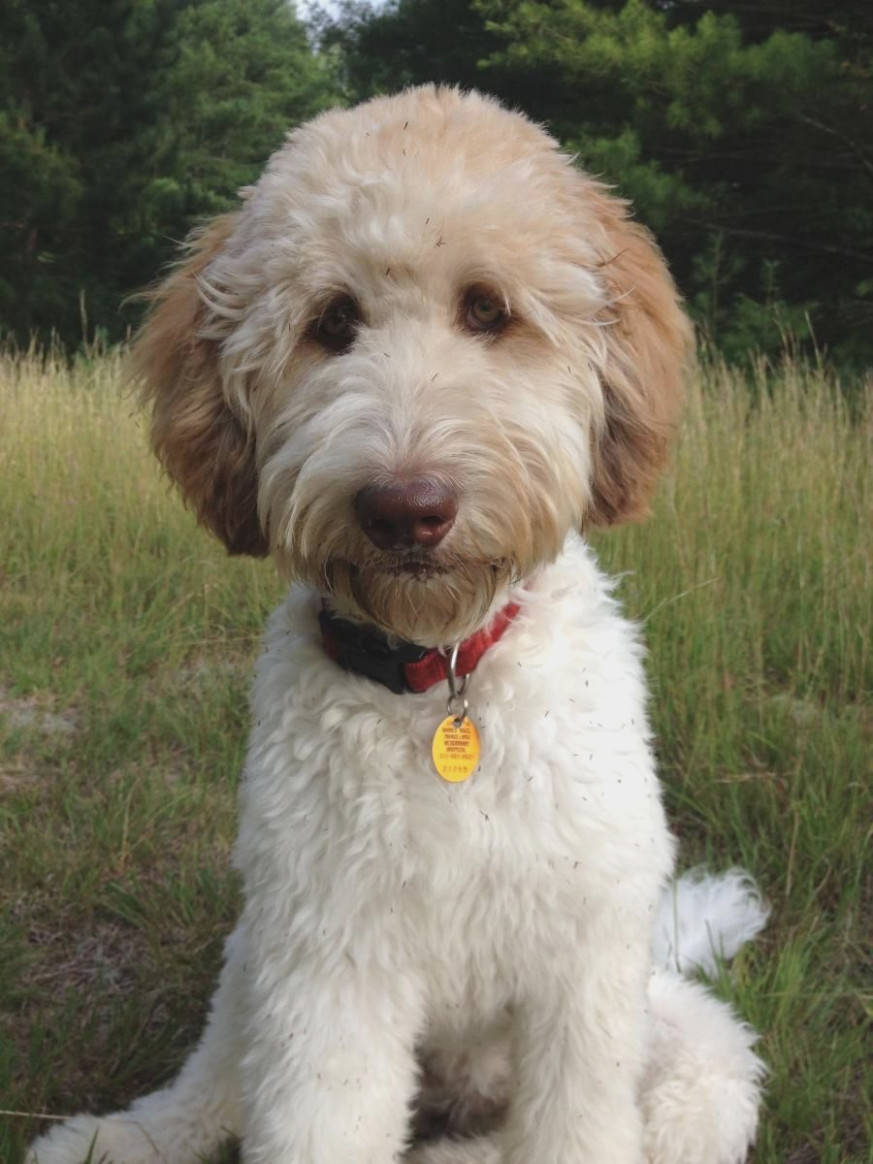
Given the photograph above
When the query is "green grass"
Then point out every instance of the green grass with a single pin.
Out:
(126, 639)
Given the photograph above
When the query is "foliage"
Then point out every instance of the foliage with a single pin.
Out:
(126, 639)
(742, 133)
(120, 125)
(402, 43)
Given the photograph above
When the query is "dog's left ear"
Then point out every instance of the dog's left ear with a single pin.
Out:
(648, 341)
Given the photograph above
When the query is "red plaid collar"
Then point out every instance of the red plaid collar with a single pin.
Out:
(403, 666)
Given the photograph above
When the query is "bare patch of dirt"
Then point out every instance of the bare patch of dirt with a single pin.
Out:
(103, 955)
(35, 713)
(17, 774)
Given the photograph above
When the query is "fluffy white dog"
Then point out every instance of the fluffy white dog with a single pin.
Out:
(421, 356)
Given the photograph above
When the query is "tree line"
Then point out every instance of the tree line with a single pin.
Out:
(742, 131)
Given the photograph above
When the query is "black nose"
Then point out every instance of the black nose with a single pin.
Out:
(418, 512)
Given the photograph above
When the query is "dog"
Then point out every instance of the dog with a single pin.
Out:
(424, 356)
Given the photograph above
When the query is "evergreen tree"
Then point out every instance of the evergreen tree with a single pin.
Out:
(743, 133)
(123, 123)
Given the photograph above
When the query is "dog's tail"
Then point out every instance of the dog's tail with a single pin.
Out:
(703, 918)
(702, 1084)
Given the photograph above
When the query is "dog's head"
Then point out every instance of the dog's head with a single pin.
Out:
(423, 349)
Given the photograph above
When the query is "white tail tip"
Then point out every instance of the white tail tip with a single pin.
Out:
(704, 918)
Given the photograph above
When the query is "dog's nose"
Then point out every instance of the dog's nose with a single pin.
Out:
(418, 512)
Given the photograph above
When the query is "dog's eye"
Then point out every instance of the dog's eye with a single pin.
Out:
(337, 325)
(483, 311)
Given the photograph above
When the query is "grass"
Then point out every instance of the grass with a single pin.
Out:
(126, 641)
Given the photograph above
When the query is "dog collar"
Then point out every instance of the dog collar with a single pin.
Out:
(401, 666)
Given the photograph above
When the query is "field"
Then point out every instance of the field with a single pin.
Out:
(127, 637)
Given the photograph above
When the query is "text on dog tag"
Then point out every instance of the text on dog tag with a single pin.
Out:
(455, 749)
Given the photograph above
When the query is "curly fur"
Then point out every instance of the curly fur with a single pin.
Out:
(456, 961)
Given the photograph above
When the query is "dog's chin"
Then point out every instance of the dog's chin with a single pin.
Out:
(417, 599)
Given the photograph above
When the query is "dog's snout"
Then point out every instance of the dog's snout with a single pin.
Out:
(405, 514)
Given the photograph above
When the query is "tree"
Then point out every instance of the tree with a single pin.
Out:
(408, 43)
(742, 133)
(120, 125)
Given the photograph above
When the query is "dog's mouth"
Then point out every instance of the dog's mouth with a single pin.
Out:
(422, 598)
(416, 564)
(421, 566)
(383, 569)
(411, 567)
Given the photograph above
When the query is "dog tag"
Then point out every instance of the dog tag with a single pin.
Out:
(455, 749)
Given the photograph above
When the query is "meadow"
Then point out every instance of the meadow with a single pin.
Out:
(126, 639)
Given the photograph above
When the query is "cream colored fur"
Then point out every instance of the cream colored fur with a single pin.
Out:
(487, 944)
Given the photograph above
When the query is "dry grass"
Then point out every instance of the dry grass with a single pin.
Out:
(126, 638)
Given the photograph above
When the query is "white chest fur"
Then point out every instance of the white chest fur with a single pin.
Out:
(344, 814)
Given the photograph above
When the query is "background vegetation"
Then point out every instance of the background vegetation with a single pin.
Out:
(743, 132)
(127, 637)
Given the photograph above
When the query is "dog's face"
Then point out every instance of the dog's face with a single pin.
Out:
(422, 351)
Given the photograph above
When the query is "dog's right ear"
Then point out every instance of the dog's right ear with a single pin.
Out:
(204, 447)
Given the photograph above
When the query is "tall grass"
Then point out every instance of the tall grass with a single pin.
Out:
(755, 584)
(126, 639)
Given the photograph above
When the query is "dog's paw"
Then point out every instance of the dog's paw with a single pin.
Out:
(89, 1139)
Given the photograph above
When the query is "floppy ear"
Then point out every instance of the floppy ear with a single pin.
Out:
(646, 353)
(200, 442)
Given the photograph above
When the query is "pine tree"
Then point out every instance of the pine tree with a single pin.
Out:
(120, 126)
(742, 132)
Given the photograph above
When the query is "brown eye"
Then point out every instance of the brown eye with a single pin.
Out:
(337, 326)
(483, 311)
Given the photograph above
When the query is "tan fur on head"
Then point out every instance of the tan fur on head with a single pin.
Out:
(402, 209)
(198, 439)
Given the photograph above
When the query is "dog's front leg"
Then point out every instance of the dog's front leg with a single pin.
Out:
(578, 1048)
(329, 1071)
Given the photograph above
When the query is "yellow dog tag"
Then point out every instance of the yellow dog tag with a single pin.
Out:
(455, 749)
